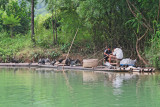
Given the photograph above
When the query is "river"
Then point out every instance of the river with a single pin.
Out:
(30, 87)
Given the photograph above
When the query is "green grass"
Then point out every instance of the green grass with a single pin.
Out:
(10, 46)
(21, 48)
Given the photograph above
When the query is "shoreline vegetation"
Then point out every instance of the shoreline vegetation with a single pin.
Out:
(132, 25)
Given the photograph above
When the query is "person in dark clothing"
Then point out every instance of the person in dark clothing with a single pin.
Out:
(107, 52)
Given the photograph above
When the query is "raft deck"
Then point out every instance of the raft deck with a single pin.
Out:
(61, 67)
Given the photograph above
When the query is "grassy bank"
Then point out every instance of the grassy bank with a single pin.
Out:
(21, 49)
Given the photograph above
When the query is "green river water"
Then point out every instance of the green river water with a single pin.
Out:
(26, 87)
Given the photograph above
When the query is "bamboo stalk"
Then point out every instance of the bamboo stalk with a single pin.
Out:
(71, 45)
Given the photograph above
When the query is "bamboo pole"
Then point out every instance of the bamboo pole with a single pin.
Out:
(71, 45)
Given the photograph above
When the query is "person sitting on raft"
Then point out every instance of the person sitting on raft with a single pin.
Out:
(107, 52)
(117, 54)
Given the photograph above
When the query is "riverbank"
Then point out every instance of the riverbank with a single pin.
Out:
(21, 50)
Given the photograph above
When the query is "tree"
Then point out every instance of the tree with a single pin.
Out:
(32, 21)
(3, 4)
(11, 21)
(51, 6)
(145, 19)
(20, 9)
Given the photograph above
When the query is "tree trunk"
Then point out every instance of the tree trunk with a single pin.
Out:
(137, 48)
(56, 27)
(32, 22)
(139, 54)
(53, 29)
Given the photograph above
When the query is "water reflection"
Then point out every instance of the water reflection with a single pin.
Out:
(117, 81)
(52, 88)
(89, 76)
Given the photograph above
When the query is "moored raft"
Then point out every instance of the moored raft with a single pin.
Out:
(20, 64)
(100, 68)
(63, 67)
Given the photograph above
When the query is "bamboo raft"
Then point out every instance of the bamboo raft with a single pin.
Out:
(62, 67)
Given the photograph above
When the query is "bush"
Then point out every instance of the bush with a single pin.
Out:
(65, 47)
(10, 46)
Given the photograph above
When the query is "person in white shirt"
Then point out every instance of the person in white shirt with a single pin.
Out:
(117, 54)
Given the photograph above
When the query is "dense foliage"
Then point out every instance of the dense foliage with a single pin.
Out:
(132, 25)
